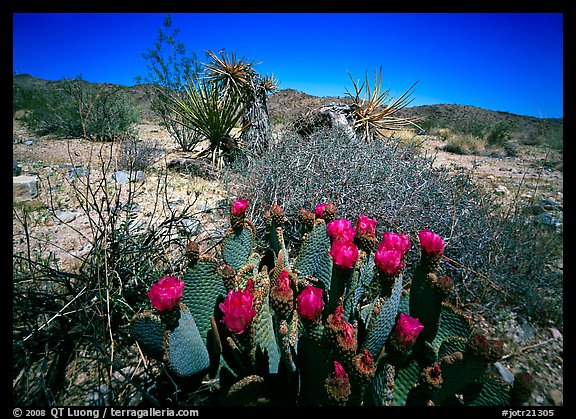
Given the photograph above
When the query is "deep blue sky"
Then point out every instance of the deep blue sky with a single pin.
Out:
(510, 62)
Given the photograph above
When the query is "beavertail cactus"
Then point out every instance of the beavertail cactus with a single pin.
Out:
(333, 322)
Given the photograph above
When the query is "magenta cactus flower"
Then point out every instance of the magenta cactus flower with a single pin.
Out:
(309, 303)
(431, 243)
(394, 241)
(165, 294)
(407, 330)
(237, 309)
(389, 262)
(366, 226)
(344, 254)
(340, 229)
(239, 207)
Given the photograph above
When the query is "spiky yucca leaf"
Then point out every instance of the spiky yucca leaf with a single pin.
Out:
(375, 110)
(233, 74)
(212, 112)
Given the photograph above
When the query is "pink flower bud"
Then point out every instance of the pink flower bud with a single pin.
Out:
(366, 226)
(339, 372)
(387, 261)
(337, 385)
(407, 330)
(239, 207)
(431, 243)
(340, 229)
(283, 283)
(344, 254)
(393, 241)
(319, 210)
(237, 309)
(166, 293)
(309, 303)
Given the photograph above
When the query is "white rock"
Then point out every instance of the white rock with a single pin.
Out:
(24, 188)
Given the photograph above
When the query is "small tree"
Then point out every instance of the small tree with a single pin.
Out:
(169, 68)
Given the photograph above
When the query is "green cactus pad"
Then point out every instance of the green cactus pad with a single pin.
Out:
(380, 392)
(404, 306)
(314, 364)
(237, 246)
(382, 319)
(148, 330)
(186, 353)
(264, 335)
(406, 376)
(203, 287)
(458, 374)
(313, 258)
(245, 392)
(453, 322)
(451, 345)
(493, 392)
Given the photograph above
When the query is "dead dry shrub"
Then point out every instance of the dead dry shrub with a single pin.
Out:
(405, 193)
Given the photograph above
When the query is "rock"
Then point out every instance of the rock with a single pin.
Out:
(555, 396)
(503, 372)
(556, 334)
(121, 177)
(333, 115)
(545, 205)
(190, 226)
(64, 216)
(137, 177)
(547, 219)
(204, 207)
(24, 188)
(501, 190)
(77, 172)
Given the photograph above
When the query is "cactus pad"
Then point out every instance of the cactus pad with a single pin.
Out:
(237, 245)
(204, 286)
(314, 259)
(148, 330)
(186, 353)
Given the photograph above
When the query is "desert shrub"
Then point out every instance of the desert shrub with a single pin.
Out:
(405, 193)
(499, 134)
(136, 154)
(78, 109)
(464, 144)
(70, 341)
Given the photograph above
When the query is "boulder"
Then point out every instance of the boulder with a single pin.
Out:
(24, 188)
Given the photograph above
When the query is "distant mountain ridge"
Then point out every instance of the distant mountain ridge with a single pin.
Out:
(287, 105)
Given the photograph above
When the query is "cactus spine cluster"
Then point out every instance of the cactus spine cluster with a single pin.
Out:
(333, 324)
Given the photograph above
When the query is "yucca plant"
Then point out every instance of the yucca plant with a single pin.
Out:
(375, 111)
(238, 77)
(211, 110)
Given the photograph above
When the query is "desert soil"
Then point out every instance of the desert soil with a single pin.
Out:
(529, 176)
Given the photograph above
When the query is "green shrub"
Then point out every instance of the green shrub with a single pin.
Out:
(76, 108)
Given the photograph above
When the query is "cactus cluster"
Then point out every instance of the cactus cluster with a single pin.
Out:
(336, 323)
